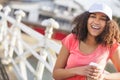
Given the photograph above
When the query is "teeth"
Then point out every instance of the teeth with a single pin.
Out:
(95, 27)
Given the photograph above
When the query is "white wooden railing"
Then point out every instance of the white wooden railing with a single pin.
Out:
(17, 51)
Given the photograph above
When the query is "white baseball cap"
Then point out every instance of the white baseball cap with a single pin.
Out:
(101, 7)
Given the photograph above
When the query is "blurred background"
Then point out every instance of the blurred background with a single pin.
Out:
(62, 11)
(31, 32)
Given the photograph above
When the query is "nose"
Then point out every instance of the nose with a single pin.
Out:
(97, 21)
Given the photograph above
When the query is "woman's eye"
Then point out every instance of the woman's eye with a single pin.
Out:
(103, 19)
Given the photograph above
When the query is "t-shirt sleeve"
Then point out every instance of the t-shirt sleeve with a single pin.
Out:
(113, 48)
(68, 41)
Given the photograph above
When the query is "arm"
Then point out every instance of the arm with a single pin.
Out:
(60, 73)
(116, 61)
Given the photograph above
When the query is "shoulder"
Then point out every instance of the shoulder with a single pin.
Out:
(70, 37)
(115, 48)
(116, 58)
(118, 49)
(69, 40)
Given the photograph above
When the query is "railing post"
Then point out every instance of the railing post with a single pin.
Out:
(4, 31)
(1, 28)
(1, 7)
(16, 41)
(19, 14)
(50, 24)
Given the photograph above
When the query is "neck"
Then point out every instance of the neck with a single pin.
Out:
(90, 41)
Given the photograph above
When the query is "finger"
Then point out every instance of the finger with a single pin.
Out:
(90, 71)
(94, 75)
(90, 68)
(93, 78)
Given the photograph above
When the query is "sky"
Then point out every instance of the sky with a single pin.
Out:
(111, 3)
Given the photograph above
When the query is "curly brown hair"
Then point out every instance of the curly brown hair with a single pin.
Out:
(110, 34)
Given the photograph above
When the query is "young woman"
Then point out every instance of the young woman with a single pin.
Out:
(85, 52)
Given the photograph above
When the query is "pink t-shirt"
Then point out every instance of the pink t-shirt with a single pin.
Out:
(78, 58)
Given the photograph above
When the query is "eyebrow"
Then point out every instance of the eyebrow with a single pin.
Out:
(95, 14)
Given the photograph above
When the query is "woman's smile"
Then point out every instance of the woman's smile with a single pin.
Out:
(96, 23)
(95, 27)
